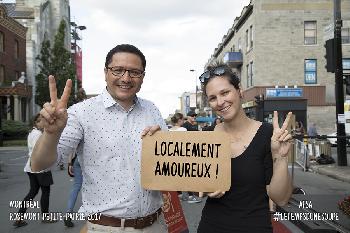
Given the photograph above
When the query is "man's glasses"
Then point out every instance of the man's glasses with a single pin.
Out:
(120, 71)
(207, 74)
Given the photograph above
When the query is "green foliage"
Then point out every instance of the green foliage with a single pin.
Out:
(55, 61)
(14, 129)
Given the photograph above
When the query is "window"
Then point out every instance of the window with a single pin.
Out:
(16, 49)
(251, 36)
(250, 74)
(345, 35)
(310, 71)
(2, 74)
(310, 32)
(2, 42)
(246, 40)
(239, 46)
(17, 74)
(346, 65)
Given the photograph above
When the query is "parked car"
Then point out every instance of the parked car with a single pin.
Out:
(333, 141)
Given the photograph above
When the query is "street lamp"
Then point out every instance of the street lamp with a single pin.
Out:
(75, 38)
(192, 70)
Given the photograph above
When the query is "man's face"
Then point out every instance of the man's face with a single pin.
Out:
(191, 119)
(123, 87)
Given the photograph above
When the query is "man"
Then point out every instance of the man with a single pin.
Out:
(190, 124)
(106, 132)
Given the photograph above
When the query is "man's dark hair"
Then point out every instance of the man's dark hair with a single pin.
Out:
(125, 48)
(232, 77)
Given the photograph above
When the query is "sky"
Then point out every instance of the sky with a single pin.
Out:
(174, 35)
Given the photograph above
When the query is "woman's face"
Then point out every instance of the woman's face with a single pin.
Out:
(223, 97)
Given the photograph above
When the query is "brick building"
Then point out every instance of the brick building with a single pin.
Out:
(15, 93)
(281, 43)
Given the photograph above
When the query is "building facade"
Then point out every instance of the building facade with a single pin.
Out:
(15, 93)
(277, 46)
(42, 19)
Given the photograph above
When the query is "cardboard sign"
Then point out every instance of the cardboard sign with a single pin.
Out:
(186, 161)
(173, 214)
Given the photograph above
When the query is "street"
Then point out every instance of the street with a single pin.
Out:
(14, 185)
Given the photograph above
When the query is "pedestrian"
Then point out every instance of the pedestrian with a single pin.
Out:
(177, 120)
(299, 130)
(312, 131)
(74, 171)
(216, 122)
(42, 180)
(106, 132)
(191, 125)
(259, 162)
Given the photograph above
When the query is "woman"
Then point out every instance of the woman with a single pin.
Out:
(259, 161)
(177, 120)
(41, 180)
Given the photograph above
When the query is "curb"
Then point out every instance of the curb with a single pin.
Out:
(13, 148)
(332, 171)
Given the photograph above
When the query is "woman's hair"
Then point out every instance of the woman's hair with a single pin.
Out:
(81, 95)
(35, 121)
(231, 76)
(177, 116)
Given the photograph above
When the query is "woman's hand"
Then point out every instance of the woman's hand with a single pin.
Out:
(281, 139)
(216, 194)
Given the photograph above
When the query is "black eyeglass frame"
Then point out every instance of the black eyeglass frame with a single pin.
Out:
(130, 71)
(220, 70)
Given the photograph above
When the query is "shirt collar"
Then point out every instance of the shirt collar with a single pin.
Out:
(108, 100)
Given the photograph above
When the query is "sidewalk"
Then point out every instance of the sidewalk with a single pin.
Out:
(332, 170)
(341, 173)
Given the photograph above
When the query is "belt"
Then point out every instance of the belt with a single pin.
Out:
(137, 223)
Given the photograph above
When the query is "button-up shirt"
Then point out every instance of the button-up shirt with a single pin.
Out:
(108, 142)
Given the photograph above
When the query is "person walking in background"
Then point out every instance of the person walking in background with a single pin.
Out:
(312, 131)
(191, 125)
(216, 122)
(74, 170)
(39, 180)
(259, 161)
(299, 130)
(177, 120)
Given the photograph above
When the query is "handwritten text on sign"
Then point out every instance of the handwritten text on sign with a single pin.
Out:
(186, 161)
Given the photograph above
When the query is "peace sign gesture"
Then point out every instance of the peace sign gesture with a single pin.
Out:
(281, 138)
(54, 114)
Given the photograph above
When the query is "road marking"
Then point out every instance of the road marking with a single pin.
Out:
(25, 156)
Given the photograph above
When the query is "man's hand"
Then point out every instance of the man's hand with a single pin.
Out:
(150, 130)
(54, 114)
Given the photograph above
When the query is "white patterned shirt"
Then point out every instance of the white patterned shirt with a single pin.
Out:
(108, 142)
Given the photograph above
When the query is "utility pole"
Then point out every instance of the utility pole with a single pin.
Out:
(196, 91)
(339, 89)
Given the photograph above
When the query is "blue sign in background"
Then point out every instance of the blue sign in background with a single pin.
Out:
(284, 92)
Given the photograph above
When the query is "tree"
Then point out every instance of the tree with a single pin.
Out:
(57, 62)
(42, 91)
